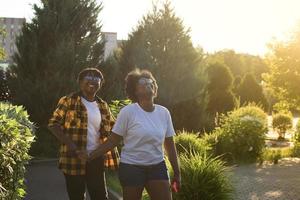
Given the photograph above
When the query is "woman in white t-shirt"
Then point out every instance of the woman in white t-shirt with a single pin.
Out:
(145, 128)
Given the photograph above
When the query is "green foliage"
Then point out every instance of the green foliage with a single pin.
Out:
(282, 122)
(240, 64)
(15, 140)
(113, 87)
(241, 135)
(297, 132)
(117, 105)
(190, 115)
(60, 40)
(2, 53)
(250, 90)
(220, 98)
(189, 143)
(283, 78)
(161, 44)
(296, 149)
(275, 154)
(204, 178)
(4, 90)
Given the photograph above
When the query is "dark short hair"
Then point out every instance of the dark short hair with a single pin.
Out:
(132, 79)
(94, 71)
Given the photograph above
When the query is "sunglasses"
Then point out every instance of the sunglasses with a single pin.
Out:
(145, 81)
(92, 78)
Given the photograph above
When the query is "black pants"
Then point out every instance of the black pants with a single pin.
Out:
(94, 180)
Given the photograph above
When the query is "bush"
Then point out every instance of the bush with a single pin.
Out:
(116, 105)
(296, 149)
(297, 132)
(274, 154)
(282, 122)
(204, 178)
(16, 137)
(188, 143)
(241, 135)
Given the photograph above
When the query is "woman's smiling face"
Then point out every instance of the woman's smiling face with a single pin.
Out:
(90, 84)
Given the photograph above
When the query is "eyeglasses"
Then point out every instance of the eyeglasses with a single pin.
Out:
(92, 78)
(145, 81)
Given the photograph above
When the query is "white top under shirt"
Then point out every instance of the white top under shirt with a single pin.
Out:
(93, 125)
(143, 133)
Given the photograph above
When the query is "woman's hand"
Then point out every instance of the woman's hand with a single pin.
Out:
(109, 144)
(94, 155)
(82, 154)
(176, 183)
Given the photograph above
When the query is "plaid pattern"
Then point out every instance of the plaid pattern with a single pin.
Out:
(71, 115)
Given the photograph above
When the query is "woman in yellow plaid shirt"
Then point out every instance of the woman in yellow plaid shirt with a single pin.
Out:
(81, 122)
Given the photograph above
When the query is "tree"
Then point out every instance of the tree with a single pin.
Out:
(251, 91)
(114, 82)
(2, 53)
(283, 79)
(240, 64)
(162, 44)
(62, 39)
(220, 97)
(4, 90)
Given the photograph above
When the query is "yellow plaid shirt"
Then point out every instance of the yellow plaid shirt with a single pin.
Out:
(71, 115)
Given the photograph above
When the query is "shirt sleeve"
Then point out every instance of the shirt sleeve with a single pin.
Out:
(170, 129)
(58, 116)
(121, 124)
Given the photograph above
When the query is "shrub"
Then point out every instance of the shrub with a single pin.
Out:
(189, 143)
(15, 140)
(204, 178)
(274, 154)
(296, 149)
(116, 105)
(282, 122)
(241, 135)
(212, 139)
(297, 132)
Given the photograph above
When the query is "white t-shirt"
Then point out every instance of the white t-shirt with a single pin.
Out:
(93, 125)
(143, 133)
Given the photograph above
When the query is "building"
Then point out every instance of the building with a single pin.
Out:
(111, 43)
(12, 28)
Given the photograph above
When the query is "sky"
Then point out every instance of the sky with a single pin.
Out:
(245, 26)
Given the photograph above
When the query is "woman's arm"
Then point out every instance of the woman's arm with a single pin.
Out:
(172, 155)
(62, 138)
(112, 141)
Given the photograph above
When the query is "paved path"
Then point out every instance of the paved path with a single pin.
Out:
(45, 182)
(269, 182)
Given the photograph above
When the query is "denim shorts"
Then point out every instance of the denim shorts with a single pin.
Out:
(139, 175)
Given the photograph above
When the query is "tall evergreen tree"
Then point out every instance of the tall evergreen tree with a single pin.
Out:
(250, 91)
(162, 44)
(63, 37)
(220, 97)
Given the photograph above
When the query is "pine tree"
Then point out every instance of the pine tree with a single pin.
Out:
(63, 38)
(220, 98)
(162, 44)
(250, 91)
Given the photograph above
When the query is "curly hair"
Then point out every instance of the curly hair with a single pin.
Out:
(132, 79)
